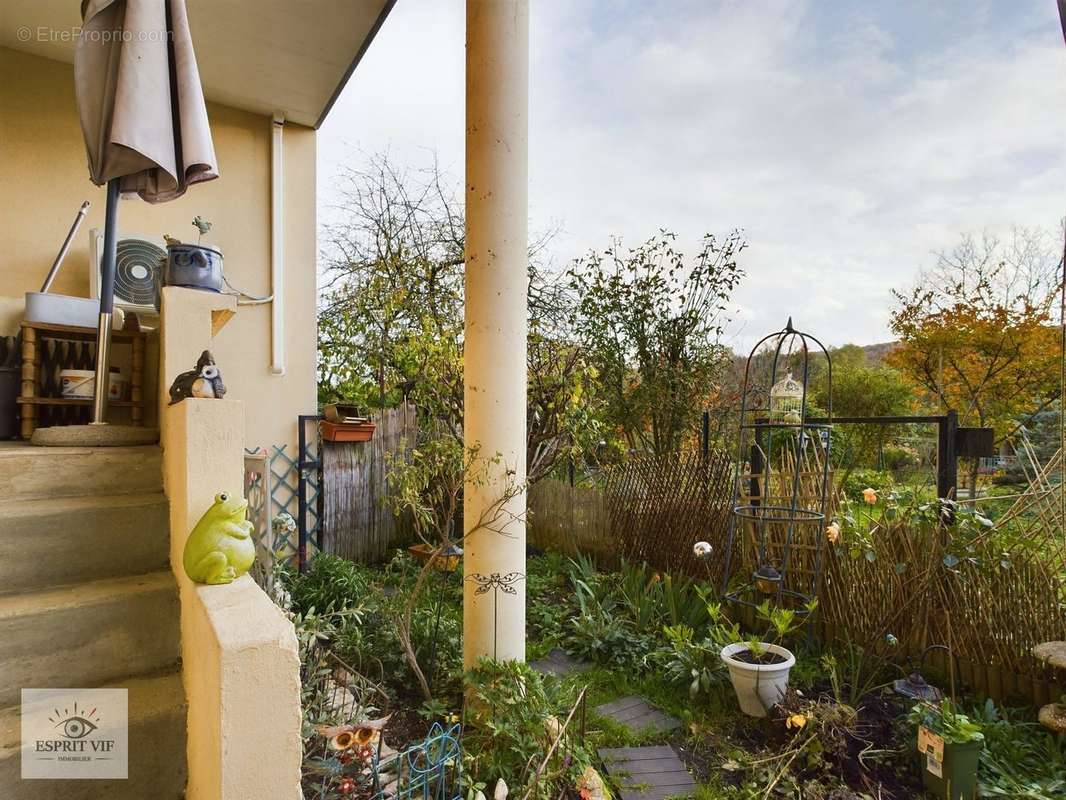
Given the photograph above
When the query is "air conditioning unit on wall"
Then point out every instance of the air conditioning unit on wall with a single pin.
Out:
(139, 267)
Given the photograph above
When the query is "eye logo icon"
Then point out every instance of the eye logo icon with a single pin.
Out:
(75, 724)
(74, 734)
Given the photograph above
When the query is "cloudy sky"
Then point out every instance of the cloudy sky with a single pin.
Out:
(849, 140)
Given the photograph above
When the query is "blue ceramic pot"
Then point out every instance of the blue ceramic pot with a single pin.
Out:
(194, 266)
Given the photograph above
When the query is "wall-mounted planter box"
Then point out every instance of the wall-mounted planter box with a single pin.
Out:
(347, 432)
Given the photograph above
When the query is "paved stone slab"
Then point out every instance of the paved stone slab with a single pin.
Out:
(636, 715)
(94, 436)
(647, 773)
(558, 662)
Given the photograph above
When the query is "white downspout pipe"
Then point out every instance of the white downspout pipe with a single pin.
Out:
(277, 246)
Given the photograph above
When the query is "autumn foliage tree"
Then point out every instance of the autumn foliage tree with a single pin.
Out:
(976, 333)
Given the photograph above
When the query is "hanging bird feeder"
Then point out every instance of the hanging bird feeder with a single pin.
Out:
(786, 401)
(777, 528)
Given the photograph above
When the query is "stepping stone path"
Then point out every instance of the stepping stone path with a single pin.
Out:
(647, 773)
(636, 715)
(558, 662)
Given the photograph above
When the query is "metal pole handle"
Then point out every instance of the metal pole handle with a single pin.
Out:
(78, 219)
(107, 305)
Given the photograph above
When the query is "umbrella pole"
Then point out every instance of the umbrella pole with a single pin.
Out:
(107, 306)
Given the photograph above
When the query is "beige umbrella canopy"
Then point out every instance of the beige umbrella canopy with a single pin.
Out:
(139, 98)
(145, 124)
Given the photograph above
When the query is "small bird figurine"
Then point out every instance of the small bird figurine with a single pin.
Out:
(204, 381)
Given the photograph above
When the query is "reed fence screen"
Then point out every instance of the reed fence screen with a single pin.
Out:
(989, 602)
(357, 522)
(990, 599)
(651, 509)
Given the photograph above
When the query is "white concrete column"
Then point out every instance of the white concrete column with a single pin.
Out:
(497, 88)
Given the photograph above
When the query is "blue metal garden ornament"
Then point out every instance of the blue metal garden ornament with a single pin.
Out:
(429, 770)
(781, 482)
(358, 765)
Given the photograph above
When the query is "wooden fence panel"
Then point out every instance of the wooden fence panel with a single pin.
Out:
(357, 523)
(570, 519)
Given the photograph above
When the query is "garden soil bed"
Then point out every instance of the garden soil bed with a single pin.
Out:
(406, 726)
(892, 777)
(764, 660)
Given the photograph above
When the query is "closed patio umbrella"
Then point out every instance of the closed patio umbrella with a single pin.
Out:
(144, 120)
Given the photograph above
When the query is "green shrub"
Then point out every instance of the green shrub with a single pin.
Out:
(651, 599)
(550, 595)
(897, 458)
(602, 630)
(690, 660)
(330, 582)
(367, 640)
(862, 479)
(512, 717)
(1021, 758)
(597, 635)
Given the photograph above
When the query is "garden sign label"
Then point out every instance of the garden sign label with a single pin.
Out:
(933, 747)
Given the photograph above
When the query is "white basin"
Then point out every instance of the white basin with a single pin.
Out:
(62, 309)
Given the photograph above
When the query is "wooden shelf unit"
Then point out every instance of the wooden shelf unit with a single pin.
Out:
(33, 336)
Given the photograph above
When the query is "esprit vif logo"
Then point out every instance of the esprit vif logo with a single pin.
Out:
(74, 733)
(72, 725)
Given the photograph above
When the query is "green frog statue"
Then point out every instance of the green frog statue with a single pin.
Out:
(220, 548)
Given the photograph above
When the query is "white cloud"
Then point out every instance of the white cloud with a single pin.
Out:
(848, 145)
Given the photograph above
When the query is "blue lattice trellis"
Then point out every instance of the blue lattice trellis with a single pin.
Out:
(284, 471)
(285, 489)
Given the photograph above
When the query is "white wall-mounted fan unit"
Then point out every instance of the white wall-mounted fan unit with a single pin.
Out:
(139, 265)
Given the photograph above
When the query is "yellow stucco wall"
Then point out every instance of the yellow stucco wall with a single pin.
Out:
(43, 180)
(241, 668)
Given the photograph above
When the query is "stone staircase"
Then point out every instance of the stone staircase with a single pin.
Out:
(87, 600)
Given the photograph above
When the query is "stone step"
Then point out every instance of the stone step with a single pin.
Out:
(49, 472)
(64, 540)
(86, 634)
(156, 742)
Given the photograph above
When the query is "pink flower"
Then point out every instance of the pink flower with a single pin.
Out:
(869, 496)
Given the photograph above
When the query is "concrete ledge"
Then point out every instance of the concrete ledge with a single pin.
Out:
(259, 679)
(240, 659)
(239, 651)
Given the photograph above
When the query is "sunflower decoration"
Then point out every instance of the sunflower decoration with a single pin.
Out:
(354, 742)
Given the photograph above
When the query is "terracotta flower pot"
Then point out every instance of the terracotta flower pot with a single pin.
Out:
(446, 562)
